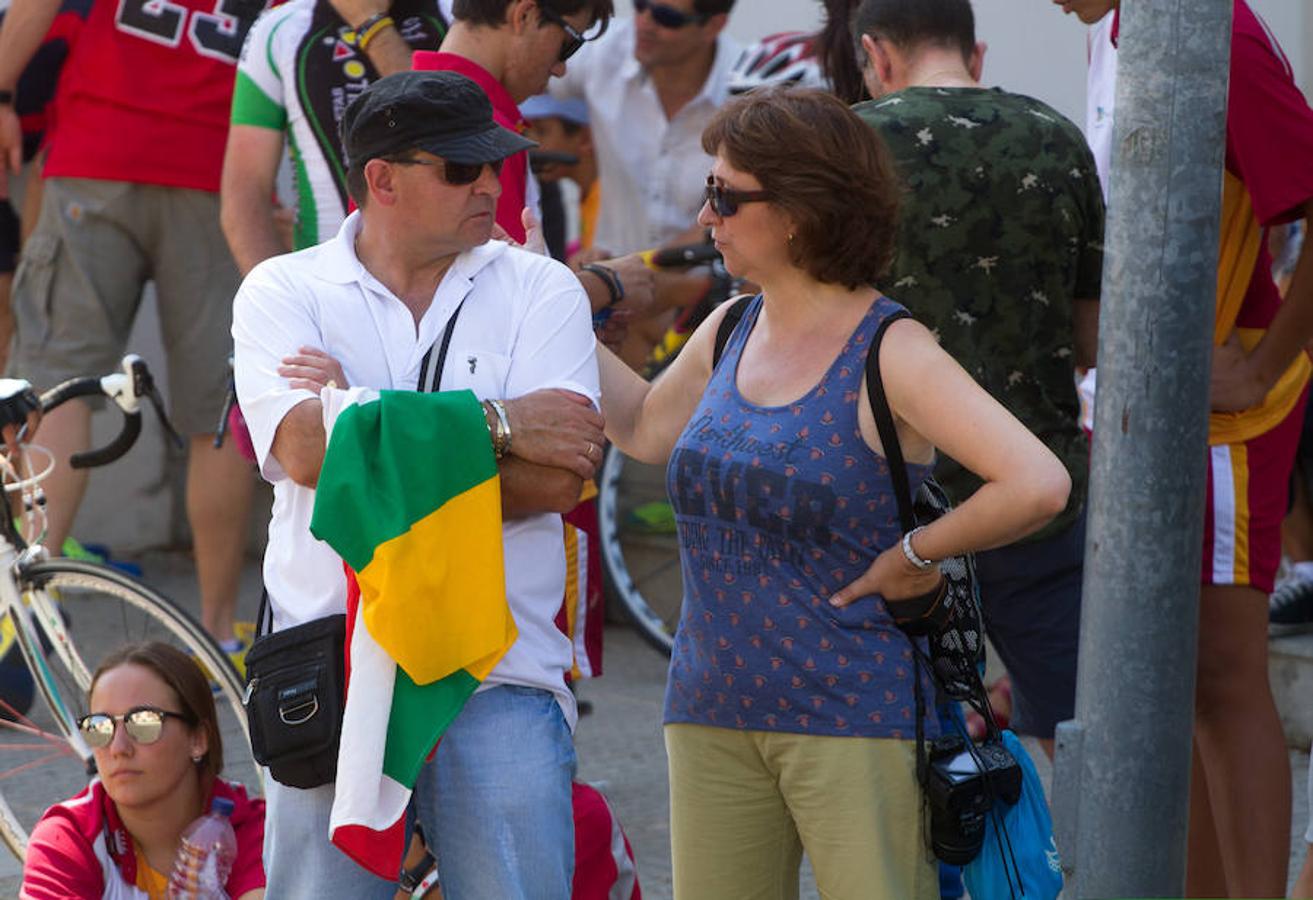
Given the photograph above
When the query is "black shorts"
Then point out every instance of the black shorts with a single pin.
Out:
(9, 238)
(1030, 596)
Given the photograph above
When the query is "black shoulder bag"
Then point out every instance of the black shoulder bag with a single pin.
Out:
(950, 616)
(296, 678)
(960, 779)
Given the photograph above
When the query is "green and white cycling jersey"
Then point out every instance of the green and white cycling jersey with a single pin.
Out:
(297, 74)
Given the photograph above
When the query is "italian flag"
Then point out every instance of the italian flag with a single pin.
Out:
(409, 498)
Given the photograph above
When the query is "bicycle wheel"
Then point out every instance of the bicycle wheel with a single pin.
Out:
(96, 610)
(640, 546)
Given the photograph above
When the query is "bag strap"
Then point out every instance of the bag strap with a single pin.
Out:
(265, 612)
(733, 316)
(884, 423)
(441, 346)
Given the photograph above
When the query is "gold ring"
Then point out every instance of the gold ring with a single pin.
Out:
(331, 383)
(590, 450)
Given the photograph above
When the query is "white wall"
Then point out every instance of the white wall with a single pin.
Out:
(1033, 48)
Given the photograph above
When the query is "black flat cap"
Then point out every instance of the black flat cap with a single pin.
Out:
(442, 113)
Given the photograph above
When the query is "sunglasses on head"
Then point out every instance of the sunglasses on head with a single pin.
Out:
(453, 173)
(725, 201)
(668, 16)
(144, 724)
(573, 39)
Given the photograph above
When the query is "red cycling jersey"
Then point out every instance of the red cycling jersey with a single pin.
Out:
(146, 93)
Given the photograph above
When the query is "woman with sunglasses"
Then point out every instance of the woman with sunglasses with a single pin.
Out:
(790, 706)
(155, 737)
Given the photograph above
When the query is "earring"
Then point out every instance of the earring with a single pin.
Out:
(791, 236)
(197, 758)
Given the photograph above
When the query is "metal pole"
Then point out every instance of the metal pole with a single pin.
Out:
(1121, 786)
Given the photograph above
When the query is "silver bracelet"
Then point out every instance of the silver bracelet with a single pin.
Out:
(504, 429)
(924, 565)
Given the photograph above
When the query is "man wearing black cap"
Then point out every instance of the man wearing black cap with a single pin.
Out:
(410, 272)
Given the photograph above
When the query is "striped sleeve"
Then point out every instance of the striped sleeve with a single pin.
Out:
(258, 93)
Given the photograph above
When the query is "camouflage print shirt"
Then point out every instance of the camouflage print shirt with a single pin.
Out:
(1002, 229)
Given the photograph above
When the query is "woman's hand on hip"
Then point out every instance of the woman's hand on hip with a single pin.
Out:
(891, 576)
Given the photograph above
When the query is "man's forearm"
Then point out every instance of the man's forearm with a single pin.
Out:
(1291, 329)
(26, 24)
(300, 442)
(248, 224)
(528, 489)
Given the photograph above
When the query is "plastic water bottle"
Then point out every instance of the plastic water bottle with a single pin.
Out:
(206, 856)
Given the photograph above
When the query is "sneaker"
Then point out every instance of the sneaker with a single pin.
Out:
(244, 635)
(235, 649)
(1290, 609)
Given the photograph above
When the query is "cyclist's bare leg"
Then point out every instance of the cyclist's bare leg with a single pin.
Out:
(219, 489)
(1242, 749)
(64, 431)
(1205, 874)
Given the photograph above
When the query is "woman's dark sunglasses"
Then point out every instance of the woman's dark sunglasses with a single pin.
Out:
(453, 173)
(668, 16)
(144, 724)
(573, 39)
(725, 201)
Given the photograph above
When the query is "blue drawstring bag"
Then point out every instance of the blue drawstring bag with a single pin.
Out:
(1019, 858)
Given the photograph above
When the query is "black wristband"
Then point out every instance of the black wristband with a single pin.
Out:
(614, 285)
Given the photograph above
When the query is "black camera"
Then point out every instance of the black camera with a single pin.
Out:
(962, 783)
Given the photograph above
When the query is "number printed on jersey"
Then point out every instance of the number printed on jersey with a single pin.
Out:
(218, 34)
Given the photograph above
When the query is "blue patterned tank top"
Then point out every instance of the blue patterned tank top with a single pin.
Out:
(777, 508)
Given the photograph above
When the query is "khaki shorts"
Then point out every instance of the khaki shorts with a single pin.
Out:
(80, 278)
(745, 805)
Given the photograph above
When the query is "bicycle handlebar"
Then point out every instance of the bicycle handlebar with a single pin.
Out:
(126, 389)
(683, 255)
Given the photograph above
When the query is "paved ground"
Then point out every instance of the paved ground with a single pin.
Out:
(619, 745)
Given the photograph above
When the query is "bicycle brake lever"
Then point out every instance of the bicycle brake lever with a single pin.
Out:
(153, 395)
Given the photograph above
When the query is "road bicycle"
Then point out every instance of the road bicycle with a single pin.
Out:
(64, 616)
(639, 542)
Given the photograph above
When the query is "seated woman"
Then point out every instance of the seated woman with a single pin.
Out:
(790, 705)
(155, 736)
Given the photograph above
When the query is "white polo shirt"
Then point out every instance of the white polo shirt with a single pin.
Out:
(652, 170)
(524, 324)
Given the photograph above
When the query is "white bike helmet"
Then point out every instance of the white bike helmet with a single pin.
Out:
(785, 58)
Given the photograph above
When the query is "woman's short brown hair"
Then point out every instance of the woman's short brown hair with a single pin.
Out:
(825, 168)
(185, 678)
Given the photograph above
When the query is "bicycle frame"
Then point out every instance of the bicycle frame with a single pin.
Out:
(26, 617)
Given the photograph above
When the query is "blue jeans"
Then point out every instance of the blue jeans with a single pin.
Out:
(299, 862)
(494, 804)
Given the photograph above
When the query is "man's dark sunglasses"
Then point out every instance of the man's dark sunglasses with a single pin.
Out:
(725, 201)
(668, 16)
(454, 173)
(573, 39)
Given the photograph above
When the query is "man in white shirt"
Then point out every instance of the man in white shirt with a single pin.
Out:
(366, 310)
(652, 83)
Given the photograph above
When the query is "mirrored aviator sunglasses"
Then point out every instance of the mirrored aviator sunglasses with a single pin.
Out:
(668, 16)
(144, 725)
(725, 202)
